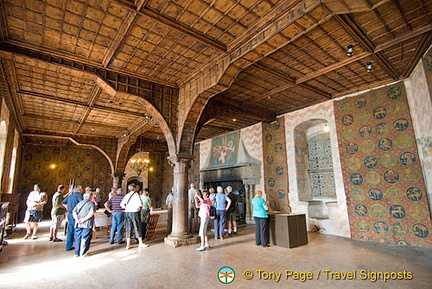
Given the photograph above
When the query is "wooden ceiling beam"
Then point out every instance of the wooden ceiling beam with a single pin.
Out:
(154, 15)
(94, 94)
(351, 27)
(10, 97)
(425, 42)
(404, 37)
(80, 103)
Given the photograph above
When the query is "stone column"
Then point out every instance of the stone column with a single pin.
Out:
(117, 179)
(179, 235)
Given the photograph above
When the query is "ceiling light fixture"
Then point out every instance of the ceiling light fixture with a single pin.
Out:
(369, 67)
(350, 50)
(92, 128)
(326, 128)
(234, 119)
(138, 164)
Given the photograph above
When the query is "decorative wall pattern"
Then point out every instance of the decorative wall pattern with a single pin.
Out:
(275, 166)
(160, 180)
(427, 62)
(53, 166)
(383, 179)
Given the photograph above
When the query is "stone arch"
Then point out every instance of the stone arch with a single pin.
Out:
(3, 140)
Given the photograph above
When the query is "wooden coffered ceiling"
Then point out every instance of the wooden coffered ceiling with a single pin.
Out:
(64, 61)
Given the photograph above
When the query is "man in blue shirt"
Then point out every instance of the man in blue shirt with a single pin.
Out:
(260, 208)
(70, 203)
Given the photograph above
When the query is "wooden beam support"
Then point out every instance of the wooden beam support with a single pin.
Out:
(79, 103)
(425, 42)
(96, 91)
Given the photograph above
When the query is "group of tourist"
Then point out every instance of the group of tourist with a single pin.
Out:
(130, 212)
(224, 203)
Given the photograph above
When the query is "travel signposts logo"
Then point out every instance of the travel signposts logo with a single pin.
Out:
(226, 275)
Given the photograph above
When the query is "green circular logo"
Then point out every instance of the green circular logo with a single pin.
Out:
(226, 275)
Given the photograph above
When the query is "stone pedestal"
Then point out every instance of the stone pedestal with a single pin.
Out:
(177, 241)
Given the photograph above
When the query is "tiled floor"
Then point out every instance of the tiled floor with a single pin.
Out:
(41, 264)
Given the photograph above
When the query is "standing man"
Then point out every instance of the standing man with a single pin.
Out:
(231, 215)
(132, 205)
(145, 211)
(192, 218)
(117, 219)
(70, 203)
(83, 214)
(169, 203)
(57, 213)
(34, 214)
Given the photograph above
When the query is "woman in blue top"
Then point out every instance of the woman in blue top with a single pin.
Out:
(219, 220)
(260, 209)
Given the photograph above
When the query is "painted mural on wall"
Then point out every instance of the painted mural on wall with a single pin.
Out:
(385, 189)
(275, 166)
(160, 180)
(53, 166)
(224, 149)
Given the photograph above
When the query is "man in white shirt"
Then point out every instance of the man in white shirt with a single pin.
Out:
(132, 205)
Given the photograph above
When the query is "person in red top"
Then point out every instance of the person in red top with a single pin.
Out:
(203, 204)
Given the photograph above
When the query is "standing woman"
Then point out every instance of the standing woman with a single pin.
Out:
(260, 208)
(203, 204)
(219, 204)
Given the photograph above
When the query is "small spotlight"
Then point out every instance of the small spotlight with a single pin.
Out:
(234, 119)
(326, 128)
(350, 50)
(151, 169)
(53, 166)
(369, 67)
(92, 128)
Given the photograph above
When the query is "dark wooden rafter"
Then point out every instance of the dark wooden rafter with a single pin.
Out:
(96, 91)
(154, 15)
(14, 106)
(4, 32)
(425, 42)
(290, 80)
(81, 103)
(349, 25)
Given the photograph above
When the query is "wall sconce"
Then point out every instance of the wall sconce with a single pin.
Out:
(350, 50)
(369, 67)
(326, 128)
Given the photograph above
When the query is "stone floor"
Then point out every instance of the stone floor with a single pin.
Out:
(323, 263)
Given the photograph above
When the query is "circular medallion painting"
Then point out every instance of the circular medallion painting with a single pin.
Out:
(377, 97)
(358, 194)
(270, 160)
(414, 194)
(381, 227)
(349, 134)
(388, 160)
(271, 182)
(407, 158)
(351, 148)
(379, 112)
(361, 210)
(385, 144)
(383, 241)
(411, 175)
(279, 170)
(375, 194)
(417, 212)
(346, 106)
(356, 179)
(398, 108)
(394, 194)
(347, 120)
(378, 211)
(400, 229)
(365, 131)
(269, 137)
(281, 194)
(420, 230)
(382, 128)
(363, 226)
(353, 163)
(391, 176)
(278, 147)
(402, 243)
(394, 92)
(367, 146)
(404, 141)
(397, 211)
(276, 126)
(370, 162)
(360, 102)
(373, 178)
(400, 124)
(362, 116)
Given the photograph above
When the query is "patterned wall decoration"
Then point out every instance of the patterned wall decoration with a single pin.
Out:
(383, 179)
(52, 166)
(224, 149)
(275, 166)
(427, 62)
(160, 180)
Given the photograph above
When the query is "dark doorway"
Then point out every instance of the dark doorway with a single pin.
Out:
(136, 182)
(238, 190)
